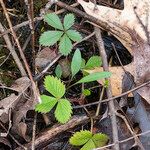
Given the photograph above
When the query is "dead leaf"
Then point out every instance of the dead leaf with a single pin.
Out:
(44, 57)
(65, 67)
(22, 129)
(122, 18)
(20, 85)
(131, 27)
(5, 142)
(116, 77)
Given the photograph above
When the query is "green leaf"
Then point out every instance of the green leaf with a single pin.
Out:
(94, 77)
(53, 20)
(54, 86)
(76, 62)
(65, 45)
(47, 104)
(80, 138)
(89, 140)
(68, 21)
(50, 38)
(74, 35)
(94, 61)
(100, 139)
(89, 145)
(86, 92)
(58, 71)
(63, 110)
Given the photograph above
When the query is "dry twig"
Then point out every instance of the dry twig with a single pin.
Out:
(108, 89)
(13, 52)
(36, 93)
(44, 137)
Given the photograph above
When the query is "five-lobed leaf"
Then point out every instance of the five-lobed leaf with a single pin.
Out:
(65, 36)
(63, 110)
(94, 77)
(65, 45)
(80, 138)
(68, 21)
(74, 35)
(76, 62)
(47, 104)
(53, 20)
(54, 86)
(49, 38)
(94, 61)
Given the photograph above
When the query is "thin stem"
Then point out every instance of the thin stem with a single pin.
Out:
(100, 99)
(102, 52)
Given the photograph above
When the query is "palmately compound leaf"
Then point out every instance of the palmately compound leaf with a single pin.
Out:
(63, 111)
(53, 20)
(89, 140)
(100, 139)
(47, 104)
(54, 86)
(80, 138)
(94, 77)
(76, 62)
(94, 61)
(58, 71)
(74, 35)
(49, 38)
(68, 21)
(65, 45)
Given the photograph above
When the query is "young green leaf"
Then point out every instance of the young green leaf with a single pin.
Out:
(63, 110)
(100, 139)
(49, 38)
(54, 86)
(68, 21)
(94, 61)
(47, 104)
(94, 77)
(89, 140)
(74, 35)
(86, 92)
(53, 20)
(80, 138)
(76, 62)
(58, 71)
(65, 45)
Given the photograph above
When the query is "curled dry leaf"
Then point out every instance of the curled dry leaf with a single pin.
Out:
(131, 27)
(22, 129)
(44, 57)
(20, 85)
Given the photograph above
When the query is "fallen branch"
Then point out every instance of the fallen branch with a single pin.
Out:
(44, 137)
